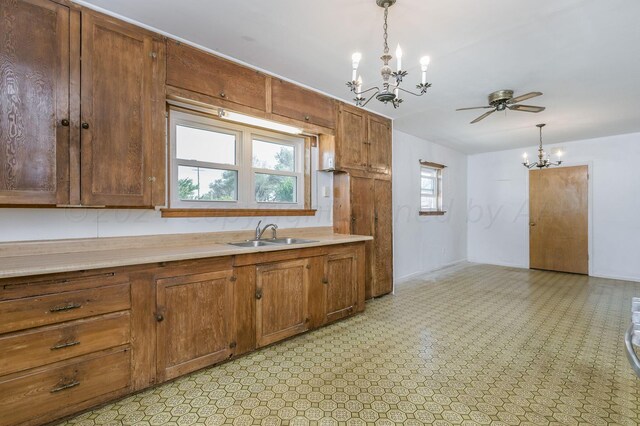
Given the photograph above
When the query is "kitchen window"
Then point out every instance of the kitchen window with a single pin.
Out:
(218, 164)
(431, 188)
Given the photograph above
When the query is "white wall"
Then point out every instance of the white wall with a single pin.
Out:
(499, 212)
(60, 223)
(425, 243)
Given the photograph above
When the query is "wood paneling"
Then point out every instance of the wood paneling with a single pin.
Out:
(35, 119)
(245, 308)
(195, 322)
(290, 100)
(36, 311)
(282, 297)
(340, 281)
(351, 150)
(383, 238)
(362, 214)
(198, 71)
(379, 144)
(119, 101)
(46, 345)
(558, 215)
(46, 391)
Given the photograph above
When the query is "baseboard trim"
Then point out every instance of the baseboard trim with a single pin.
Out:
(400, 280)
(506, 264)
(616, 277)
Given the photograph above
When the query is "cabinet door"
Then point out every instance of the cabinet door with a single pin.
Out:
(383, 238)
(198, 71)
(362, 221)
(118, 90)
(379, 143)
(34, 102)
(350, 144)
(195, 322)
(340, 280)
(282, 290)
(292, 101)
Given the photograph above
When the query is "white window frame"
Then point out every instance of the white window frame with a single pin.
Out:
(438, 169)
(244, 162)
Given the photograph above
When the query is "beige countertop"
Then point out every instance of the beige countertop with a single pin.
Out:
(46, 257)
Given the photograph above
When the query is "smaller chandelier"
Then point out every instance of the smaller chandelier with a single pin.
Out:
(390, 92)
(544, 161)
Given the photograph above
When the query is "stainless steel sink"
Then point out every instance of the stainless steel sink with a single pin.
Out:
(272, 242)
(251, 243)
(288, 241)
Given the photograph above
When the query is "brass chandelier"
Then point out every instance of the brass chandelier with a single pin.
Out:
(390, 92)
(544, 160)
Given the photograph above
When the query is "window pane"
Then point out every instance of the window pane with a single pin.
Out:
(274, 156)
(427, 203)
(426, 172)
(428, 185)
(201, 184)
(205, 145)
(275, 188)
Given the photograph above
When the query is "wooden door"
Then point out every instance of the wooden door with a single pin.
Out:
(383, 238)
(35, 118)
(379, 143)
(340, 280)
(195, 317)
(119, 89)
(282, 290)
(351, 149)
(362, 213)
(558, 219)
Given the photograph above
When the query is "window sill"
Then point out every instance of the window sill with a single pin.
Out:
(431, 213)
(235, 212)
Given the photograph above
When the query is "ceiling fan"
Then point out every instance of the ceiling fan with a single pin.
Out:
(503, 99)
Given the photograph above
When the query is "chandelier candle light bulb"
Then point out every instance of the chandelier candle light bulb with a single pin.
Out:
(399, 57)
(424, 64)
(355, 62)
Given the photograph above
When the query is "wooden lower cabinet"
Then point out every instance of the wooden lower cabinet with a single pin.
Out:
(282, 300)
(71, 341)
(195, 322)
(341, 285)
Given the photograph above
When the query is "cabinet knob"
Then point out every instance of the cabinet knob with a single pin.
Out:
(223, 95)
(259, 294)
(65, 122)
(325, 281)
(159, 317)
(307, 118)
(85, 125)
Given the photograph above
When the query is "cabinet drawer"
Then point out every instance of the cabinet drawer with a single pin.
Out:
(304, 105)
(192, 69)
(44, 392)
(46, 345)
(36, 311)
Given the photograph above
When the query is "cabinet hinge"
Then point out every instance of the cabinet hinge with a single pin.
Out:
(232, 345)
(153, 55)
(233, 279)
(308, 266)
(152, 178)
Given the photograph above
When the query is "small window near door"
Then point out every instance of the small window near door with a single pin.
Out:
(431, 188)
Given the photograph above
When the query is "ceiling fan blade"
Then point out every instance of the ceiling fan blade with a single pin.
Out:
(483, 116)
(526, 108)
(523, 97)
(483, 107)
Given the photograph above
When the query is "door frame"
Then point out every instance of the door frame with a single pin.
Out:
(589, 165)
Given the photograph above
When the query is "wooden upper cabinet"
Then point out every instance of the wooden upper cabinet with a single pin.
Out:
(292, 101)
(379, 144)
(383, 238)
(282, 290)
(35, 118)
(350, 148)
(195, 315)
(121, 83)
(341, 281)
(198, 71)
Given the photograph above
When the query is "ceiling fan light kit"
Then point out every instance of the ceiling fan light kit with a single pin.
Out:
(502, 100)
(544, 161)
(390, 92)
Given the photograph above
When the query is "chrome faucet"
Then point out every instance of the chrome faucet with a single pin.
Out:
(259, 232)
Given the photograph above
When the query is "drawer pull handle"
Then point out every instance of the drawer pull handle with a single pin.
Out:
(66, 307)
(65, 345)
(66, 386)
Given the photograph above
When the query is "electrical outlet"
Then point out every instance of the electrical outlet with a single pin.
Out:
(325, 191)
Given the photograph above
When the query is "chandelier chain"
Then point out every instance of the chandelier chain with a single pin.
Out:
(384, 27)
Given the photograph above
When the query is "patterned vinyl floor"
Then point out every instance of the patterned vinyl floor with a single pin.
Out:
(474, 345)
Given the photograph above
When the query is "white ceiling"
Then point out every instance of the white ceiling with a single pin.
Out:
(583, 54)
